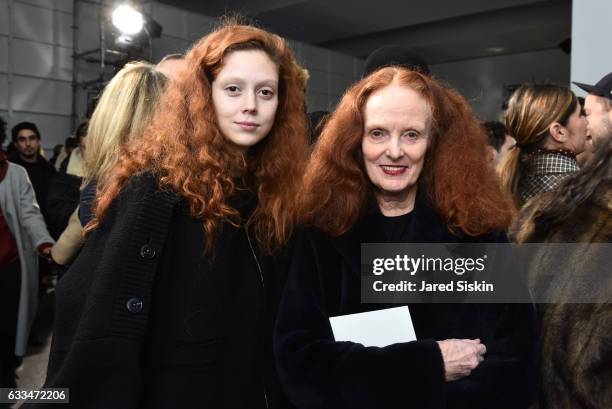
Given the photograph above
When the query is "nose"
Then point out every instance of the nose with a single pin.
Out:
(394, 149)
(249, 102)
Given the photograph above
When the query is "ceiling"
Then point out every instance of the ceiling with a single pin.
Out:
(439, 30)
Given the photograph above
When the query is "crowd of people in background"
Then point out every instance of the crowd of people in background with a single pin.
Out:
(205, 226)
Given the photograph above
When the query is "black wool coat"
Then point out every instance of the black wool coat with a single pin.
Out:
(317, 372)
(146, 320)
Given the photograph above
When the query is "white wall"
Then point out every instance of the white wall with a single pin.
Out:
(35, 65)
(36, 42)
(591, 48)
(482, 80)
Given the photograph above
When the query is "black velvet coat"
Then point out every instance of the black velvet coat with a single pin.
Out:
(146, 320)
(317, 372)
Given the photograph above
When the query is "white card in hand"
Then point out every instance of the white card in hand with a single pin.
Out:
(375, 328)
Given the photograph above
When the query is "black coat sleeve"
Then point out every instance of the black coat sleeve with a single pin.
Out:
(318, 372)
(506, 379)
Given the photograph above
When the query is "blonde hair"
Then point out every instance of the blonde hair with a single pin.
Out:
(532, 109)
(125, 109)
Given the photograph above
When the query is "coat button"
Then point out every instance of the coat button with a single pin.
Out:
(134, 305)
(147, 252)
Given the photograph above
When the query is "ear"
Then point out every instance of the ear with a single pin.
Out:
(557, 132)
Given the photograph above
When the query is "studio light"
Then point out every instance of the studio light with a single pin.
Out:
(127, 20)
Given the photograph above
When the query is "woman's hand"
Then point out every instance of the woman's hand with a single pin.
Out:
(461, 357)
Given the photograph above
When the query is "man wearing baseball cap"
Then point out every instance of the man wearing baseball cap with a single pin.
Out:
(598, 109)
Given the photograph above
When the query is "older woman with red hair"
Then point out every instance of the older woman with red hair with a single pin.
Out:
(400, 160)
(172, 300)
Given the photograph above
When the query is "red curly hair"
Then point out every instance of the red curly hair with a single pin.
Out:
(186, 150)
(456, 177)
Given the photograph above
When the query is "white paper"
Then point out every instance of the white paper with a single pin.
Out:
(375, 328)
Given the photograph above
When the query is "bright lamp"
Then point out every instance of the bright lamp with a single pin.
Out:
(128, 20)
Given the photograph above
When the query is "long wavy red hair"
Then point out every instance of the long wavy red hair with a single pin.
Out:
(456, 177)
(186, 150)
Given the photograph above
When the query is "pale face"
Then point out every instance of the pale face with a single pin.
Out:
(599, 119)
(497, 157)
(505, 148)
(397, 123)
(577, 132)
(245, 96)
(27, 144)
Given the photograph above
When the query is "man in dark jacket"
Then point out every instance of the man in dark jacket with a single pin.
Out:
(26, 138)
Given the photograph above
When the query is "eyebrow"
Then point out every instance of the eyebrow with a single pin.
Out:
(414, 127)
(239, 79)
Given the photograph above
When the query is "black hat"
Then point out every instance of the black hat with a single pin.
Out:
(603, 88)
(394, 55)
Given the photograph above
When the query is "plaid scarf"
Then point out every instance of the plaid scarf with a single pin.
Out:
(544, 171)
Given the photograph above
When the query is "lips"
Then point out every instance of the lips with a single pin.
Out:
(394, 170)
(248, 126)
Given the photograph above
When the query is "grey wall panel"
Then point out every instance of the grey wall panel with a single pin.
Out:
(3, 92)
(4, 17)
(168, 45)
(42, 60)
(484, 90)
(4, 54)
(88, 71)
(318, 81)
(89, 34)
(198, 26)
(44, 96)
(54, 129)
(88, 11)
(333, 101)
(297, 49)
(41, 24)
(359, 65)
(316, 101)
(341, 64)
(338, 84)
(314, 58)
(62, 28)
(172, 19)
(32, 22)
(62, 5)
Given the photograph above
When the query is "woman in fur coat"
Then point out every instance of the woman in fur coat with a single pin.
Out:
(576, 345)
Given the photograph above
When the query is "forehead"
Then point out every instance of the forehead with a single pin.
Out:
(397, 103)
(249, 64)
(26, 133)
(594, 102)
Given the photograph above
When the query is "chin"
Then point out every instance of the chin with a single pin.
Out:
(245, 143)
(395, 189)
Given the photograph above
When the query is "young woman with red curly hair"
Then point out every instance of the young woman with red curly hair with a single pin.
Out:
(402, 159)
(172, 301)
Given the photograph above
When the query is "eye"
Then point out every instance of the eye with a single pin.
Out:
(411, 135)
(377, 134)
(232, 90)
(267, 93)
